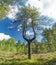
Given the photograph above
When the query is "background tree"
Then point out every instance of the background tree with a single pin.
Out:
(49, 35)
(11, 44)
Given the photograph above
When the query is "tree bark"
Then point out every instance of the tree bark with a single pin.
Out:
(29, 50)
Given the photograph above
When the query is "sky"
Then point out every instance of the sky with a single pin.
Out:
(46, 7)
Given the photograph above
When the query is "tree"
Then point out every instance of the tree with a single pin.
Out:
(49, 35)
(18, 47)
(3, 43)
(11, 44)
(29, 17)
(35, 47)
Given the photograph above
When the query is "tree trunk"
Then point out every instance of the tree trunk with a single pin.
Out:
(25, 37)
(29, 50)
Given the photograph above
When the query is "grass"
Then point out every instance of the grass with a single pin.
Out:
(9, 58)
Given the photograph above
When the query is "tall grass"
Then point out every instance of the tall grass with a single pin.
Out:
(10, 58)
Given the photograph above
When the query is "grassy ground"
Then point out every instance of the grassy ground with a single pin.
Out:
(9, 58)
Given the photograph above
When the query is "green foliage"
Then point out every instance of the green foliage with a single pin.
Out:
(3, 11)
(50, 36)
(11, 46)
(36, 47)
(28, 12)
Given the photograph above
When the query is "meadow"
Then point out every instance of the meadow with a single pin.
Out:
(12, 53)
(10, 58)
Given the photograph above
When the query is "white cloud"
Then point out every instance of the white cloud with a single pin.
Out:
(4, 36)
(47, 7)
(12, 12)
(51, 8)
(34, 3)
(29, 33)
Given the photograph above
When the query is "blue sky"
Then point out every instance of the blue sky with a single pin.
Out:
(46, 7)
(4, 28)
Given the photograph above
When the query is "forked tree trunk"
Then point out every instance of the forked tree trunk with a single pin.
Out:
(28, 40)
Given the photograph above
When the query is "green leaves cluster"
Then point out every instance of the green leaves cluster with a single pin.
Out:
(28, 12)
(3, 11)
(50, 37)
(10, 46)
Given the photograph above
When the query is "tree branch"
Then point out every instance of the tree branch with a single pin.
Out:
(24, 32)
